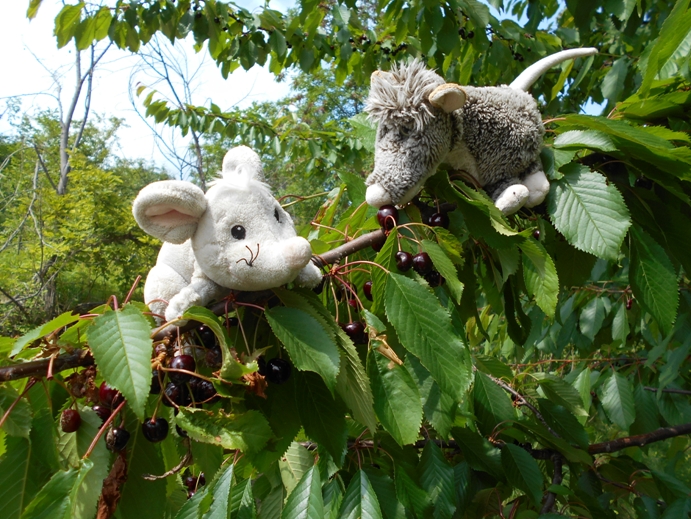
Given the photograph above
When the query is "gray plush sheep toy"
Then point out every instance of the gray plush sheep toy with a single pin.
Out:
(492, 133)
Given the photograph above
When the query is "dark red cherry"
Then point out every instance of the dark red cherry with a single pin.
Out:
(156, 382)
(377, 245)
(116, 439)
(629, 303)
(181, 432)
(434, 279)
(109, 397)
(439, 220)
(536, 234)
(214, 357)
(191, 483)
(352, 303)
(206, 336)
(70, 420)
(356, 331)
(155, 430)
(202, 390)
(176, 394)
(320, 287)
(422, 263)
(387, 216)
(231, 321)
(367, 289)
(185, 362)
(277, 370)
(102, 411)
(404, 261)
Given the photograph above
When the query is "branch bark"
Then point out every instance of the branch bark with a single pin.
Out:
(557, 478)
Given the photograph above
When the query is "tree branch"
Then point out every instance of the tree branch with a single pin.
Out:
(39, 368)
(640, 440)
(370, 239)
(557, 477)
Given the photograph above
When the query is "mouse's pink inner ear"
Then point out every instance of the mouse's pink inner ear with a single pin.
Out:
(169, 209)
(169, 216)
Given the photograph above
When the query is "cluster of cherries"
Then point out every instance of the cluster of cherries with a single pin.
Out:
(193, 483)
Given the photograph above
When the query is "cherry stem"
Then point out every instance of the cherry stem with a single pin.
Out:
(362, 262)
(105, 425)
(4, 418)
(134, 286)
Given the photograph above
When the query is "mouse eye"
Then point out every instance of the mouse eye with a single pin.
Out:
(276, 215)
(238, 232)
(406, 131)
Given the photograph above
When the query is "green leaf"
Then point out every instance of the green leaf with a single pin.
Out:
(564, 423)
(16, 485)
(445, 267)
(409, 493)
(439, 408)
(322, 417)
(247, 432)
(614, 81)
(66, 23)
(492, 405)
(41, 331)
(32, 10)
(620, 324)
(220, 507)
(522, 471)
(616, 395)
(360, 501)
(653, 279)
(121, 345)
(305, 501)
(332, 494)
(18, 422)
(579, 139)
(295, 463)
(248, 509)
(353, 384)
(592, 317)
(310, 347)
(54, 498)
(673, 31)
(589, 212)
(396, 398)
(385, 489)
(386, 257)
(102, 23)
(561, 392)
(437, 479)
(478, 452)
(425, 329)
(364, 130)
(540, 275)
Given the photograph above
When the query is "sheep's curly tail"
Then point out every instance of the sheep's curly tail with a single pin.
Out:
(526, 79)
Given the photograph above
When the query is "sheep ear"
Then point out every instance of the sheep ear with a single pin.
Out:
(169, 210)
(241, 164)
(448, 97)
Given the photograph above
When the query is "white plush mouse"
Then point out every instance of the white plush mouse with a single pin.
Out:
(236, 236)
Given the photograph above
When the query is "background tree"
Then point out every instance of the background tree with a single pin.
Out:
(546, 376)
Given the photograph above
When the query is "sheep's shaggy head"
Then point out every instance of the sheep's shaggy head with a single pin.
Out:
(413, 107)
(402, 94)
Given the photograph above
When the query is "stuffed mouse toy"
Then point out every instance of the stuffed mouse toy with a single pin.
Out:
(492, 133)
(236, 236)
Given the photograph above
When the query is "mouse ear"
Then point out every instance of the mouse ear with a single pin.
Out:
(241, 164)
(169, 210)
(448, 97)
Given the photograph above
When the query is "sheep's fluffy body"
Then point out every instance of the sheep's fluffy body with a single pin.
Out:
(236, 236)
(492, 133)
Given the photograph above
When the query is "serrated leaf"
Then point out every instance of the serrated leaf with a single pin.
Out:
(332, 494)
(66, 23)
(616, 395)
(425, 329)
(653, 279)
(18, 422)
(578, 139)
(620, 324)
(53, 500)
(305, 501)
(439, 408)
(295, 462)
(16, 485)
(478, 452)
(360, 501)
(32, 10)
(396, 398)
(445, 267)
(121, 345)
(220, 507)
(561, 392)
(310, 347)
(247, 432)
(592, 317)
(353, 385)
(522, 471)
(540, 275)
(589, 212)
(385, 489)
(386, 257)
(492, 404)
(322, 418)
(409, 493)
(437, 479)
(647, 419)
(247, 509)
(51, 326)
(564, 423)
(194, 506)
